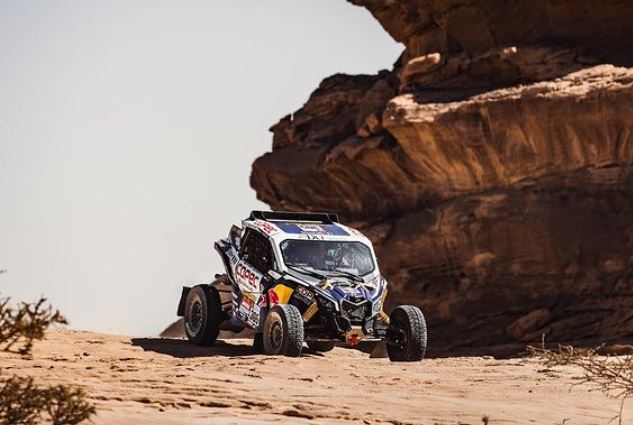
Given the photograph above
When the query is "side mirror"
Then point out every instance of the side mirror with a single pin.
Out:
(235, 236)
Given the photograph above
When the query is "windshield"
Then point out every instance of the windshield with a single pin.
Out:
(329, 256)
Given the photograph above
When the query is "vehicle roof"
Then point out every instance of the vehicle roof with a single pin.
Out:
(310, 226)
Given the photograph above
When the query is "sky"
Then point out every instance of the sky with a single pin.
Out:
(127, 133)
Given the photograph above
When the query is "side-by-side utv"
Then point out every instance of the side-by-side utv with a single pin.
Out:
(298, 278)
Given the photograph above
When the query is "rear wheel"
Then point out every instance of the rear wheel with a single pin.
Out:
(283, 331)
(406, 336)
(203, 315)
(321, 346)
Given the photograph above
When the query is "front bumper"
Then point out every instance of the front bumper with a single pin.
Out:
(334, 326)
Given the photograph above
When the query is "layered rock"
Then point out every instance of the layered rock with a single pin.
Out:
(491, 167)
(474, 26)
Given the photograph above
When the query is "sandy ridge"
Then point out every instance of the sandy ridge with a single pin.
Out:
(157, 381)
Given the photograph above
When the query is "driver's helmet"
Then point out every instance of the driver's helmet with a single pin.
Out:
(331, 258)
(347, 257)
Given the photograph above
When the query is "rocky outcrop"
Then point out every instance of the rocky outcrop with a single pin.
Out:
(492, 167)
(474, 26)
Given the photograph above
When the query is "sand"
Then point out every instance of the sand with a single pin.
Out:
(160, 381)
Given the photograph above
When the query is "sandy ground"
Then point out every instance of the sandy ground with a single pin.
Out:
(157, 381)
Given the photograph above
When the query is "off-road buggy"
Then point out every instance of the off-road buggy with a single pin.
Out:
(300, 277)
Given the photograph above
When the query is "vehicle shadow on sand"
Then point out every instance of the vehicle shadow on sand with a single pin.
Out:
(183, 349)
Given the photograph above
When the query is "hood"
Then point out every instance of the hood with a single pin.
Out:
(341, 287)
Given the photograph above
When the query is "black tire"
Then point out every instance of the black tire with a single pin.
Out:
(203, 315)
(321, 346)
(406, 336)
(283, 331)
(258, 343)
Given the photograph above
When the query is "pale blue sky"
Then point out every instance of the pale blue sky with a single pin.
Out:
(127, 132)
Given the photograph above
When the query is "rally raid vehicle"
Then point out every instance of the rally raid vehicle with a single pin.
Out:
(300, 277)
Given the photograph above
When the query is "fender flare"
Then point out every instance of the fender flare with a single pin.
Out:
(183, 301)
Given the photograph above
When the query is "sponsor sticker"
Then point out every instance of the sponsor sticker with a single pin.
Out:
(247, 303)
(242, 313)
(267, 227)
(310, 228)
(250, 297)
(248, 309)
(233, 258)
(254, 317)
(305, 293)
(245, 307)
(247, 275)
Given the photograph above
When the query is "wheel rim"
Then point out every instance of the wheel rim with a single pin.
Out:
(276, 336)
(399, 335)
(195, 319)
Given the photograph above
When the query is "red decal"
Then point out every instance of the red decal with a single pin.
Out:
(274, 298)
(353, 341)
(266, 227)
(247, 303)
(246, 274)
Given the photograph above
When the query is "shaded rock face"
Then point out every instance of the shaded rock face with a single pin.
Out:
(492, 167)
(474, 26)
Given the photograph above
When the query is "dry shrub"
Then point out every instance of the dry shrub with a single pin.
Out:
(20, 402)
(25, 323)
(613, 376)
(24, 403)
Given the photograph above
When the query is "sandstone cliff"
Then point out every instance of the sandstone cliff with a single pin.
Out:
(491, 166)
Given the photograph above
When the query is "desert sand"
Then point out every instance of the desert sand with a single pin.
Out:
(162, 381)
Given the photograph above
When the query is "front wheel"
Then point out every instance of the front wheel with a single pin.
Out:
(283, 331)
(406, 335)
(203, 315)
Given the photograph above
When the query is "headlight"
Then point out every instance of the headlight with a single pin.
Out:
(326, 304)
(376, 282)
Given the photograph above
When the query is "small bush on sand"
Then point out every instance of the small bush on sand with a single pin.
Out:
(22, 401)
(22, 324)
(613, 376)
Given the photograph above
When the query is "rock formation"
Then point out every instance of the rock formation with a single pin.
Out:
(492, 167)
